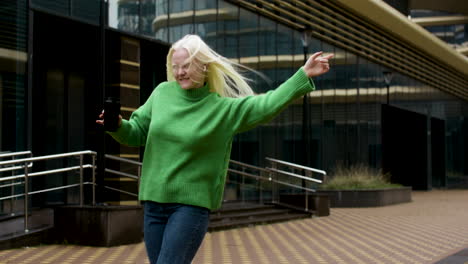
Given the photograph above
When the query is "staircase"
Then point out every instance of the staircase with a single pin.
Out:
(238, 214)
(253, 196)
(12, 233)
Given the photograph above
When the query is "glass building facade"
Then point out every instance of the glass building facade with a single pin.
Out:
(13, 74)
(342, 122)
(454, 34)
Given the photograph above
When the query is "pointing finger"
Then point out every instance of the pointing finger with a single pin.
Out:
(329, 56)
(315, 55)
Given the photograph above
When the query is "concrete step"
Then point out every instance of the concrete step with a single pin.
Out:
(13, 234)
(37, 218)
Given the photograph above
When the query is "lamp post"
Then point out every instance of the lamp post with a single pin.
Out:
(388, 78)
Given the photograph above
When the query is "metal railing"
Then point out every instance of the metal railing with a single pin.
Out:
(12, 156)
(11, 169)
(259, 174)
(309, 172)
(270, 179)
(124, 174)
(301, 173)
(265, 180)
(27, 175)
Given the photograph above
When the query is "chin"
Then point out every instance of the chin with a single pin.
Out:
(185, 85)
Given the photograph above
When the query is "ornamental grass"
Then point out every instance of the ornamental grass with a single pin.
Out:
(357, 177)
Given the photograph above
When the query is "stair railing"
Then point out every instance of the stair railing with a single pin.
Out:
(277, 177)
(295, 172)
(250, 171)
(124, 174)
(27, 175)
(12, 169)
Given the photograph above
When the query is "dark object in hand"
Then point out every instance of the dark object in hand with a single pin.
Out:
(111, 113)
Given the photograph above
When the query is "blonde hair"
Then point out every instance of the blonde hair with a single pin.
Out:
(222, 75)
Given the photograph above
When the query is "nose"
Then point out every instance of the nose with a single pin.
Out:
(180, 71)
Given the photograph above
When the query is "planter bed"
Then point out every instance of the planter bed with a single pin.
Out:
(99, 225)
(368, 198)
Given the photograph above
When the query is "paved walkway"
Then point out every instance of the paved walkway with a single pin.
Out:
(431, 229)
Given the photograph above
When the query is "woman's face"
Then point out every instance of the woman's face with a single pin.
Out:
(188, 74)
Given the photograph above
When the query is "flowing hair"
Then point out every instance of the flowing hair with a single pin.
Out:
(222, 74)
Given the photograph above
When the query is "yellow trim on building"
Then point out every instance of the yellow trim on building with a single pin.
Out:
(440, 20)
(388, 18)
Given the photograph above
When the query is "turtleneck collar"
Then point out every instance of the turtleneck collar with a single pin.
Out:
(194, 93)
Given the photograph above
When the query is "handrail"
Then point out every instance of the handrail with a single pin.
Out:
(273, 174)
(296, 166)
(12, 155)
(123, 159)
(269, 179)
(47, 157)
(28, 174)
(295, 175)
(124, 174)
(40, 173)
(248, 165)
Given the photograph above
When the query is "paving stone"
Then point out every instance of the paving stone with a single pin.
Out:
(428, 230)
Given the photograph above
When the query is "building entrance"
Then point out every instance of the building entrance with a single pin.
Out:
(65, 96)
(65, 84)
(413, 148)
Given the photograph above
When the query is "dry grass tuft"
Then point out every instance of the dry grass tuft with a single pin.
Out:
(357, 177)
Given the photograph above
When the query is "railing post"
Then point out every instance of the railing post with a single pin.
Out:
(243, 186)
(274, 176)
(26, 198)
(94, 179)
(12, 200)
(308, 174)
(259, 188)
(81, 180)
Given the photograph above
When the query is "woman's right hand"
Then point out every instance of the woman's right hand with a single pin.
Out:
(101, 120)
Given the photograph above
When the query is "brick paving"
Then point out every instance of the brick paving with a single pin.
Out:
(431, 229)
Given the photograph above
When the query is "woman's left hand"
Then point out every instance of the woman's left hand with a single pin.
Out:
(317, 65)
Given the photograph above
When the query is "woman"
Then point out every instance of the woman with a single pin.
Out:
(187, 126)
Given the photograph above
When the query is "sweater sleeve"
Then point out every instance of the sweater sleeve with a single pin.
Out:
(133, 132)
(251, 111)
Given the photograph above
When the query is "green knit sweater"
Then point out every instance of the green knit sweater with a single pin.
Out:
(188, 134)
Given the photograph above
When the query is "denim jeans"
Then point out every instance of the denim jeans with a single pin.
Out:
(173, 232)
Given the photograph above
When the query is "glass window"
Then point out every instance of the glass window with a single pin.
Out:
(128, 16)
(227, 30)
(160, 23)
(266, 37)
(147, 16)
(248, 38)
(13, 88)
(205, 4)
(86, 10)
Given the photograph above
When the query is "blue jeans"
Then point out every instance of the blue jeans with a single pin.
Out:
(173, 232)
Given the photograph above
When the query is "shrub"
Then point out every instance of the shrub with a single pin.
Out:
(357, 177)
